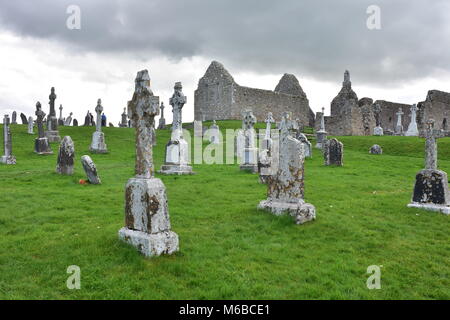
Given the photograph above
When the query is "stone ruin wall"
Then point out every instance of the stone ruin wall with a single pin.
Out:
(436, 106)
(263, 101)
(388, 116)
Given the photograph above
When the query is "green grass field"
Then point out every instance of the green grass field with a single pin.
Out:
(228, 249)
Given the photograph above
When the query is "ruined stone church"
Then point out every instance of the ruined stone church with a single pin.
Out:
(352, 116)
(219, 97)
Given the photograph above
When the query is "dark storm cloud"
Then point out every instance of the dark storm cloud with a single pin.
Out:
(319, 39)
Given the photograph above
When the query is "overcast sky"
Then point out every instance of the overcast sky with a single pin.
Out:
(257, 41)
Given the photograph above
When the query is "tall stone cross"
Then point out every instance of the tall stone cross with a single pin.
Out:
(269, 121)
(399, 117)
(322, 120)
(40, 119)
(162, 110)
(52, 98)
(249, 120)
(99, 110)
(431, 135)
(177, 102)
(142, 109)
(60, 111)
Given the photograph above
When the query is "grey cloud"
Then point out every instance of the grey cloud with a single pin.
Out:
(318, 39)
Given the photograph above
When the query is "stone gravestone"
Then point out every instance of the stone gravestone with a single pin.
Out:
(399, 126)
(321, 135)
(378, 130)
(41, 145)
(333, 153)
(214, 133)
(376, 149)
(68, 120)
(14, 118)
(98, 144)
(249, 159)
(147, 221)
(87, 119)
(52, 123)
(265, 153)
(23, 118)
(177, 149)
(124, 119)
(90, 169)
(65, 156)
(30, 125)
(162, 120)
(267, 141)
(285, 192)
(413, 131)
(431, 190)
(7, 157)
(75, 122)
(60, 119)
(111, 125)
(307, 145)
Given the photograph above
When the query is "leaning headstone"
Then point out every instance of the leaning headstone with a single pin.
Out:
(30, 125)
(98, 144)
(413, 131)
(376, 149)
(7, 157)
(68, 120)
(333, 153)
(285, 192)
(249, 159)
(431, 190)
(147, 221)
(75, 122)
(41, 145)
(321, 135)
(162, 120)
(90, 169)
(399, 126)
(65, 156)
(177, 153)
(111, 125)
(306, 143)
(14, 118)
(23, 118)
(52, 123)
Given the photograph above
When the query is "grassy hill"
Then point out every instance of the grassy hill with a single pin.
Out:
(228, 249)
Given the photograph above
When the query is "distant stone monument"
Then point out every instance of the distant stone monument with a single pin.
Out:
(431, 190)
(249, 159)
(98, 144)
(267, 141)
(60, 119)
(90, 169)
(321, 135)
(177, 149)
(87, 119)
(52, 123)
(75, 122)
(214, 133)
(268, 154)
(68, 120)
(124, 122)
(376, 149)
(333, 153)
(30, 125)
(162, 120)
(285, 192)
(14, 118)
(413, 130)
(65, 156)
(399, 126)
(147, 221)
(378, 130)
(23, 118)
(7, 157)
(41, 145)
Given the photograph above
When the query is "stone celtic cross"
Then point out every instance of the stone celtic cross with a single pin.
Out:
(99, 110)
(431, 135)
(142, 109)
(177, 102)
(249, 120)
(269, 121)
(40, 119)
(52, 98)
